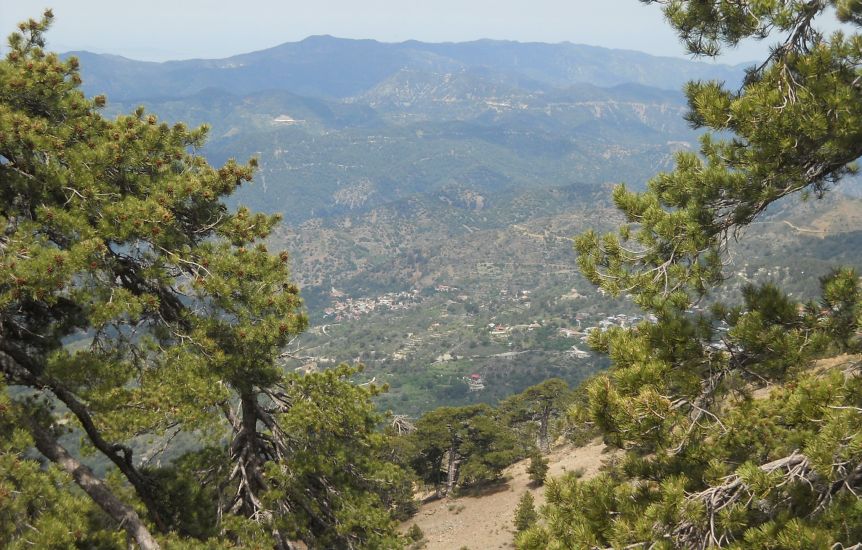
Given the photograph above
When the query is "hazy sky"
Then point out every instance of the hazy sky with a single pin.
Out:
(180, 29)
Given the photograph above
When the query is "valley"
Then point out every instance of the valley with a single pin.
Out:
(429, 206)
(357, 294)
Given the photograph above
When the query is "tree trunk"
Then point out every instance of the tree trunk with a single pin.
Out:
(249, 454)
(544, 443)
(120, 512)
(452, 469)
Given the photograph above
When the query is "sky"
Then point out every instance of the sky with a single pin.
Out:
(159, 30)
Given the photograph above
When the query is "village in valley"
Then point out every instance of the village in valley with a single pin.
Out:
(490, 334)
(488, 339)
(345, 308)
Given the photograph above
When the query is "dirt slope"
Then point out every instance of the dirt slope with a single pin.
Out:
(484, 520)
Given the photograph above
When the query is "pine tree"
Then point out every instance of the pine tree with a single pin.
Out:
(705, 464)
(539, 405)
(38, 509)
(796, 129)
(538, 468)
(461, 445)
(525, 513)
(415, 533)
(333, 482)
(136, 306)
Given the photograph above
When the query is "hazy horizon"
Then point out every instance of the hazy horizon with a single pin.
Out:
(720, 61)
(211, 30)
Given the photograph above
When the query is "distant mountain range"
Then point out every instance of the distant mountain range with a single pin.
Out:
(337, 68)
(345, 125)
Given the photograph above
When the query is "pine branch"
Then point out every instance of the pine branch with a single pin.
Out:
(12, 364)
(95, 488)
(795, 468)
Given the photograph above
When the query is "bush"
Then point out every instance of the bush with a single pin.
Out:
(538, 468)
(415, 533)
(525, 514)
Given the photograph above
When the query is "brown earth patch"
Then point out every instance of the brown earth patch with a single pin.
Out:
(482, 518)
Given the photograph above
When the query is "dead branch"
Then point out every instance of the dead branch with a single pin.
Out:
(793, 469)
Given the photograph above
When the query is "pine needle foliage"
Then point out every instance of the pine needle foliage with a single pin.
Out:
(461, 446)
(136, 309)
(525, 513)
(538, 469)
(708, 461)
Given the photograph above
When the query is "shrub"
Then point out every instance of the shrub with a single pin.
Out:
(538, 468)
(525, 514)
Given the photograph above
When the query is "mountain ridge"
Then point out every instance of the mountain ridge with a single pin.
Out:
(338, 68)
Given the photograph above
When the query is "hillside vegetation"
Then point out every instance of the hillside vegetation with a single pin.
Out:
(705, 464)
(456, 294)
(460, 167)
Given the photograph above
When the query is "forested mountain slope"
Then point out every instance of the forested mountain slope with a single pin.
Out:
(454, 227)
(463, 166)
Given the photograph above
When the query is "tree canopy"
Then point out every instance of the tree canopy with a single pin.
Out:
(138, 310)
(795, 128)
(454, 446)
(707, 463)
(539, 404)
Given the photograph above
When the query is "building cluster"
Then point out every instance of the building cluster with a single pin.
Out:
(445, 288)
(497, 329)
(345, 308)
(474, 382)
(621, 320)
